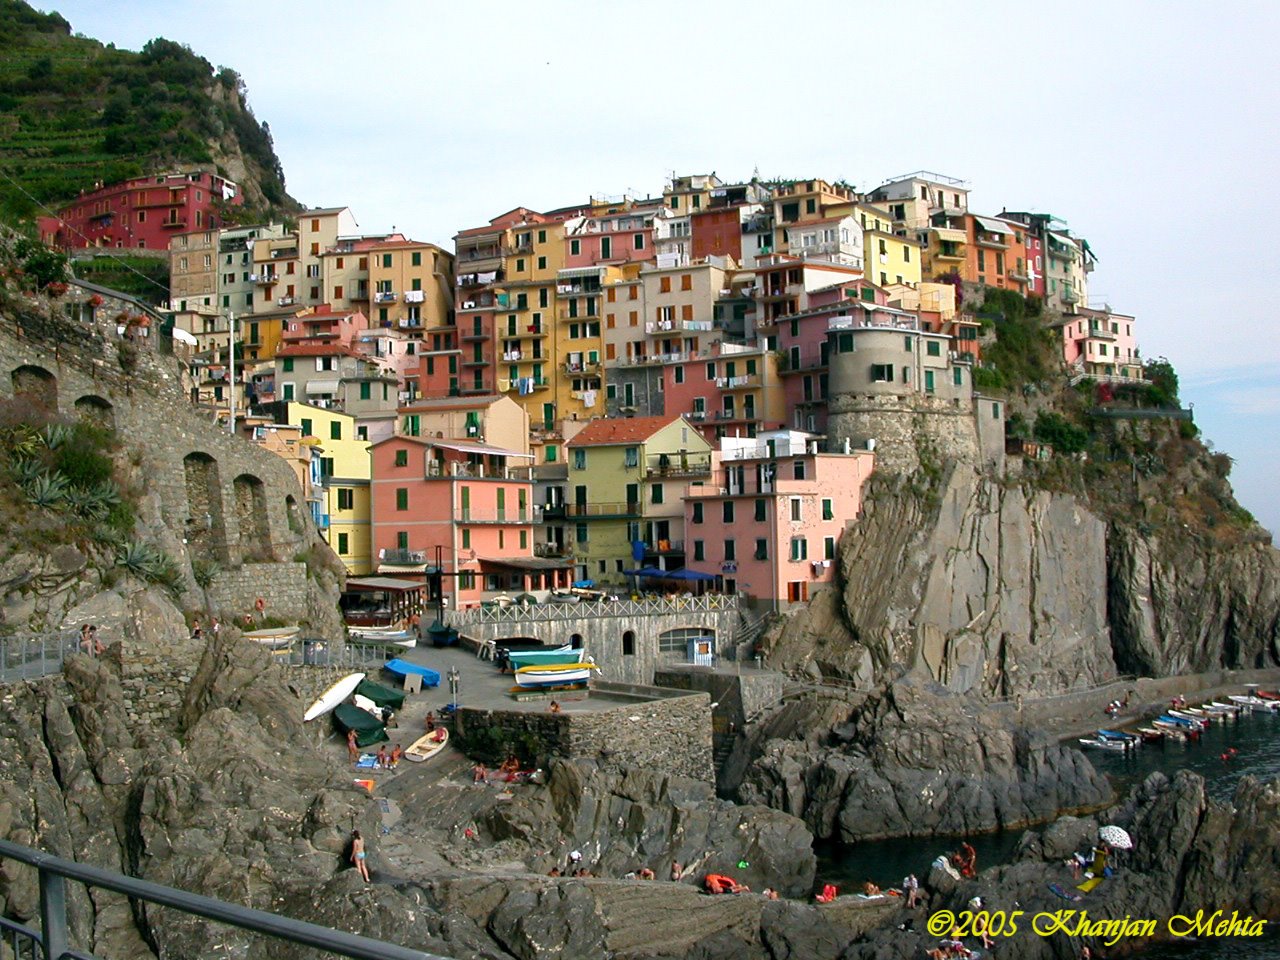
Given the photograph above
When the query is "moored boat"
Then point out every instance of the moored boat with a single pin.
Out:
(555, 674)
(273, 638)
(533, 658)
(1256, 704)
(1151, 734)
(1098, 743)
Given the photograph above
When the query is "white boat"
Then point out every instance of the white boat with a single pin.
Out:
(1255, 703)
(333, 696)
(555, 674)
(1098, 743)
(424, 748)
(274, 638)
(407, 640)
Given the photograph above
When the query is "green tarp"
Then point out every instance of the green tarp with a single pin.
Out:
(382, 696)
(369, 729)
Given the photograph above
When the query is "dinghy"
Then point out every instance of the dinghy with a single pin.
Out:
(555, 674)
(333, 696)
(275, 638)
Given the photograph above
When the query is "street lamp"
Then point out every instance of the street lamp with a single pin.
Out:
(454, 677)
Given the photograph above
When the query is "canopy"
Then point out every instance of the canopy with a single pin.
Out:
(369, 729)
(380, 695)
(645, 572)
(684, 573)
(993, 226)
(322, 386)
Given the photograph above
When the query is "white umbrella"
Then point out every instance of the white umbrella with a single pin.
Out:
(1116, 837)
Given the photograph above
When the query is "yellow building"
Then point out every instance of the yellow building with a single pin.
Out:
(890, 259)
(410, 284)
(524, 319)
(341, 465)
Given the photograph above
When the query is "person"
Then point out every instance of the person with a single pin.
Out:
(553, 872)
(383, 761)
(829, 893)
(770, 893)
(85, 643)
(396, 754)
(216, 627)
(870, 889)
(260, 609)
(479, 774)
(966, 860)
(430, 721)
(358, 854)
(510, 767)
(1086, 953)
(911, 890)
(676, 871)
(196, 632)
(645, 873)
(555, 707)
(980, 926)
(353, 748)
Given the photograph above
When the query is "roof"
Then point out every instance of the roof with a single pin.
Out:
(462, 446)
(613, 430)
(319, 350)
(452, 403)
(321, 211)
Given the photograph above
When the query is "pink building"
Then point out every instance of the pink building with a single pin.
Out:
(1101, 345)
(398, 352)
(769, 522)
(462, 497)
(733, 391)
(324, 326)
(621, 237)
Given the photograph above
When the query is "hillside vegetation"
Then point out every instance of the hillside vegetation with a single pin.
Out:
(74, 112)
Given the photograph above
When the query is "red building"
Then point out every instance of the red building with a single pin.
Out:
(142, 213)
(717, 233)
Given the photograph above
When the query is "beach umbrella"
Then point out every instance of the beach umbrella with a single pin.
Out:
(1115, 837)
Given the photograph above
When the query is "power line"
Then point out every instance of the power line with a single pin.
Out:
(52, 213)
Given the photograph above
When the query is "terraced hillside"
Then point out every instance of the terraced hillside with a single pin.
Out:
(74, 112)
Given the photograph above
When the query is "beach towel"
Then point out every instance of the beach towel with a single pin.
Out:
(1089, 884)
(1064, 893)
(367, 761)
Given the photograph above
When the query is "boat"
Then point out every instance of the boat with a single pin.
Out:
(1254, 703)
(555, 674)
(1098, 743)
(1198, 722)
(333, 696)
(1119, 736)
(407, 640)
(1171, 731)
(380, 695)
(369, 729)
(1266, 694)
(1187, 723)
(533, 658)
(273, 638)
(430, 678)
(1151, 734)
(424, 748)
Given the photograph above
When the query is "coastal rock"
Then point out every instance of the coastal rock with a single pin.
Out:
(913, 761)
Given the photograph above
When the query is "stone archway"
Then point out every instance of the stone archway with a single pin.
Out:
(206, 531)
(251, 517)
(96, 410)
(293, 515)
(37, 386)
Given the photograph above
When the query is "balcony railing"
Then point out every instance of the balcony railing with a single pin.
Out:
(544, 612)
(1069, 295)
(581, 366)
(553, 511)
(668, 465)
(738, 382)
(402, 556)
(265, 279)
(52, 940)
(495, 516)
(549, 550)
(384, 296)
(599, 510)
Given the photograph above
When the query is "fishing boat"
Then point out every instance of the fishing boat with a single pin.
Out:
(533, 658)
(1171, 731)
(1098, 743)
(1119, 735)
(1198, 722)
(555, 674)
(401, 639)
(1151, 734)
(274, 638)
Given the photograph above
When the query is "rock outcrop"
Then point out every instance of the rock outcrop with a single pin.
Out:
(914, 761)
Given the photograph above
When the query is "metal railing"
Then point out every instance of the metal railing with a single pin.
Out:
(34, 656)
(51, 941)
(645, 607)
(353, 654)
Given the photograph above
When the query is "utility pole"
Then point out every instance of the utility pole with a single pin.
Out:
(231, 381)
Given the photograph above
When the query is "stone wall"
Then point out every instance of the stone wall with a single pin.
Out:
(669, 734)
(905, 427)
(282, 586)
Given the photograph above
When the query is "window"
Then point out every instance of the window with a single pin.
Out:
(906, 254)
(402, 539)
(416, 258)
(579, 459)
(288, 392)
(346, 498)
(933, 348)
(795, 510)
(335, 428)
(711, 371)
(882, 373)
(760, 511)
(957, 375)
(606, 248)
(995, 411)
(686, 282)
(657, 493)
(828, 509)
(730, 551)
(552, 452)
(402, 458)
(798, 470)
(580, 532)
(402, 498)
(695, 515)
(542, 263)
(928, 381)
(343, 548)
(637, 241)
(664, 284)
(762, 549)
(907, 344)
(799, 548)
(698, 550)
(828, 548)
(727, 511)
(287, 365)
(306, 427)
(631, 457)
(677, 374)
(575, 247)
(386, 260)
(466, 538)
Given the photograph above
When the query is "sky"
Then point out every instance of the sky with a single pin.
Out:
(1149, 127)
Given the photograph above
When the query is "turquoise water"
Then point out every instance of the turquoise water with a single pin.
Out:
(1256, 739)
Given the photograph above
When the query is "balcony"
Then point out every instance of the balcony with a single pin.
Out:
(577, 290)
(1061, 252)
(415, 296)
(286, 301)
(359, 293)
(477, 362)
(601, 511)
(264, 279)
(553, 511)
(475, 334)
(1069, 295)
(746, 416)
(494, 516)
(535, 383)
(384, 296)
(664, 547)
(678, 465)
(549, 550)
(949, 251)
(738, 383)
(174, 224)
(402, 556)
(472, 389)
(993, 241)
(285, 253)
(1101, 333)
(480, 277)
(475, 471)
(582, 366)
(530, 330)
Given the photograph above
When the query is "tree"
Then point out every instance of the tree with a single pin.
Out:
(1164, 381)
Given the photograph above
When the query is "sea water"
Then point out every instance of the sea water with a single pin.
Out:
(1256, 740)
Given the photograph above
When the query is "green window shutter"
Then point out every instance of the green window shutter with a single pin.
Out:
(335, 430)
(287, 365)
(402, 498)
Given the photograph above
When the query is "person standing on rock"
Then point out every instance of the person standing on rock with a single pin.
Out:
(910, 891)
(358, 855)
(353, 748)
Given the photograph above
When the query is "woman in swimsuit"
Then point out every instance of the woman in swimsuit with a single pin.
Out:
(358, 855)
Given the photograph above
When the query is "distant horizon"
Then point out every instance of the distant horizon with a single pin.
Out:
(1123, 129)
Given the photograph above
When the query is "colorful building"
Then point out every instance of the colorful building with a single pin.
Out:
(411, 284)
(343, 472)
(625, 481)
(1100, 345)
(142, 213)
(769, 521)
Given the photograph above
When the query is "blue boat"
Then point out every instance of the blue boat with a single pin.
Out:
(1180, 721)
(1118, 735)
(430, 678)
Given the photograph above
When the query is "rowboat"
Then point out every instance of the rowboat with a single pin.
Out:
(424, 748)
(555, 674)
(1254, 703)
(274, 638)
(333, 696)
(430, 678)
(1151, 734)
(1198, 722)
(1119, 736)
(1097, 743)
(407, 640)
(1171, 731)
(534, 658)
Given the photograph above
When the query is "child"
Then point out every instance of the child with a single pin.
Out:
(396, 754)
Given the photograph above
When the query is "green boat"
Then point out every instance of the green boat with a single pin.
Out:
(538, 658)
(382, 696)
(369, 729)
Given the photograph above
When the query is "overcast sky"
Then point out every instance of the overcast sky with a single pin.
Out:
(1149, 127)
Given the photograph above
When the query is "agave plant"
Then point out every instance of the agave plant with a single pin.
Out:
(47, 490)
(87, 503)
(25, 470)
(107, 493)
(21, 441)
(55, 435)
(146, 562)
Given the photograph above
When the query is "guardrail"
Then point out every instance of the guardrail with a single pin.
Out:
(35, 656)
(542, 612)
(51, 941)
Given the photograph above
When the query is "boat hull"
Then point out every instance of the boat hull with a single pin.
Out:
(333, 696)
(552, 675)
(424, 748)
(537, 658)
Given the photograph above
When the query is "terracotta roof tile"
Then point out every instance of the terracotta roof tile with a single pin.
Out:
(614, 430)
